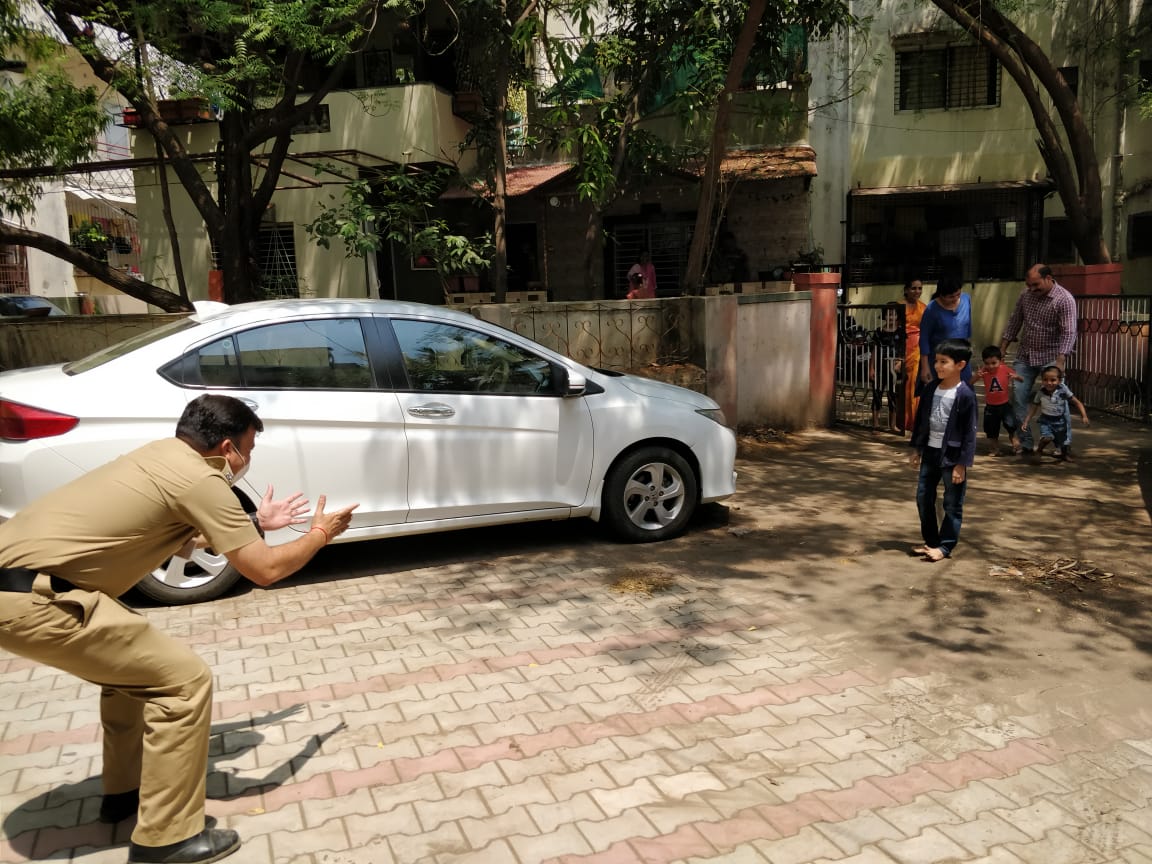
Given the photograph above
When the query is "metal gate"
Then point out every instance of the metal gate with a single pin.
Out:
(1110, 368)
(870, 374)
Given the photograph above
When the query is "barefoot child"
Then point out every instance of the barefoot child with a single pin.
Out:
(1051, 403)
(997, 377)
(944, 447)
(886, 366)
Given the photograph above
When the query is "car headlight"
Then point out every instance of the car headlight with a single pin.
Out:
(716, 414)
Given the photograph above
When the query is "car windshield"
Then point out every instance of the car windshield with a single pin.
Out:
(102, 356)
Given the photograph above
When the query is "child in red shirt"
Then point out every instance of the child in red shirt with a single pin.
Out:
(997, 377)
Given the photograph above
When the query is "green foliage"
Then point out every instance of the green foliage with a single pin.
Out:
(662, 53)
(45, 119)
(90, 236)
(397, 206)
(234, 53)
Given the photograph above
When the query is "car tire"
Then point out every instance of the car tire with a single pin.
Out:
(180, 581)
(205, 576)
(650, 495)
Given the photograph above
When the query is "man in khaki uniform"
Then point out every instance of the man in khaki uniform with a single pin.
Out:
(67, 556)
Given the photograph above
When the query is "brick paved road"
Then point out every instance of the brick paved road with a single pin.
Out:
(513, 707)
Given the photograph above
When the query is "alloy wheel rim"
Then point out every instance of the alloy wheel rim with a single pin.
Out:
(654, 496)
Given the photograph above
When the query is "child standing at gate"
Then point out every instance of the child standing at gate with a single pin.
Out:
(886, 366)
(1051, 403)
(997, 377)
(944, 448)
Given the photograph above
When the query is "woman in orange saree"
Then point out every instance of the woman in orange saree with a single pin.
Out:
(913, 310)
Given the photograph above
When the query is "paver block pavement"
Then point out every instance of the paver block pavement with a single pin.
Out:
(800, 695)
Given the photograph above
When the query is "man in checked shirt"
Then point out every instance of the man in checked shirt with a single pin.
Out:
(1048, 314)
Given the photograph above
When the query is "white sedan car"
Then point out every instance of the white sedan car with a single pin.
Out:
(429, 418)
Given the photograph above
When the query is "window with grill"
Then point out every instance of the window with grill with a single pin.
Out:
(954, 76)
(276, 257)
(667, 242)
(13, 270)
(992, 233)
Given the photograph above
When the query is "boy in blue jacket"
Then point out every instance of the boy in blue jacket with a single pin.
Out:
(944, 447)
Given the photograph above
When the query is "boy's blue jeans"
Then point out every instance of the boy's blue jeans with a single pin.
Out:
(942, 535)
(1057, 428)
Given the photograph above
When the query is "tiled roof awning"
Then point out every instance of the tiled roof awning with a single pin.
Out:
(775, 164)
(522, 179)
(990, 186)
(769, 163)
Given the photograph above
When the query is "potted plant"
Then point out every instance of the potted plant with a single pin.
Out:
(90, 237)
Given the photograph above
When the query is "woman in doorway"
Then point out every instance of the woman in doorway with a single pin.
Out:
(913, 311)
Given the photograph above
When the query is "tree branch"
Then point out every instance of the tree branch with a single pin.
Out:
(106, 71)
(15, 236)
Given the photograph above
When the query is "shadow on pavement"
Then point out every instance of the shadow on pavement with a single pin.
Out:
(820, 529)
(72, 808)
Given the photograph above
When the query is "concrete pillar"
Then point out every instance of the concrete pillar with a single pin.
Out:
(822, 346)
(717, 316)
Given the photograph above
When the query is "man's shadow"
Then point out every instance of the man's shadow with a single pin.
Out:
(70, 811)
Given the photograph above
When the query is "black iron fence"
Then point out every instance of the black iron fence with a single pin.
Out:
(1111, 368)
(870, 361)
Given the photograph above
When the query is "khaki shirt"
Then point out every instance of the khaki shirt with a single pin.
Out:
(106, 530)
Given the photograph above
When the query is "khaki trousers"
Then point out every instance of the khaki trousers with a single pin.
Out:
(155, 701)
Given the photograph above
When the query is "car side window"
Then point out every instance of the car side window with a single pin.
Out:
(212, 365)
(217, 364)
(324, 354)
(451, 359)
(327, 354)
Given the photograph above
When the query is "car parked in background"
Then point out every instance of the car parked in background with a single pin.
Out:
(429, 418)
(27, 306)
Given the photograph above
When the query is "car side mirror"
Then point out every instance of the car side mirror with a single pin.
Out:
(567, 382)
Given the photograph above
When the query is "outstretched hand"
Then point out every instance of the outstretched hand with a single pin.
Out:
(273, 515)
(335, 523)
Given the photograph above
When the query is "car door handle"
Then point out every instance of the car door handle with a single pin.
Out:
(251, 403)
(434, 409)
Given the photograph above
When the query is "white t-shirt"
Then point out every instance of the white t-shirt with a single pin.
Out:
(942, 402)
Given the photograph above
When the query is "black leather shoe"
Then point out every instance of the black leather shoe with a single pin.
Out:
(211, 844)
(120, 806)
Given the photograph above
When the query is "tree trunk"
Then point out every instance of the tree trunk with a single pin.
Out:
(11, 235)
(500, 189)
(694, 271)
(593, 236)
(593, 284)
(236, 244)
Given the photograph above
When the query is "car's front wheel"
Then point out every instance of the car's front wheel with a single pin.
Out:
(204, 576)
(650, 495)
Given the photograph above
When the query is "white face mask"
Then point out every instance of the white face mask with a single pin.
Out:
(233, 479)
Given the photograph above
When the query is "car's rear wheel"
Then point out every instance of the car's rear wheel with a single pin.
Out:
(204, 576)
(650, 495)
